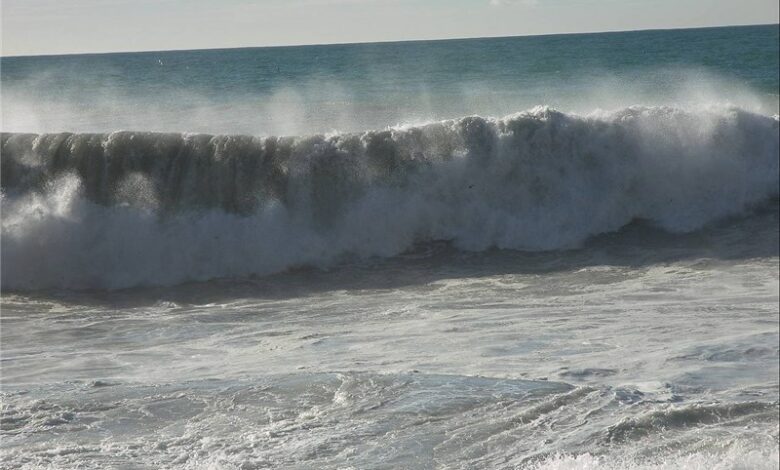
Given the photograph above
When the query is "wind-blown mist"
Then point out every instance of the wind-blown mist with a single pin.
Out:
(361, 87)
(328, 106)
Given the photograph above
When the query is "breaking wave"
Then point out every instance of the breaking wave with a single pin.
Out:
(138, 208)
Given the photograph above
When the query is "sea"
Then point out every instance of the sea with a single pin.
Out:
(546, 253)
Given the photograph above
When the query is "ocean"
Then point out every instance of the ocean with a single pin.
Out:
(545, 253)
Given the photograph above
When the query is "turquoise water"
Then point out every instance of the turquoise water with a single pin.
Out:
(299, 90)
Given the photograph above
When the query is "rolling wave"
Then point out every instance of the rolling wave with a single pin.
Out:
(138, 208)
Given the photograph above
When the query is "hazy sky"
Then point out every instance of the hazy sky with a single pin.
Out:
(71, 26)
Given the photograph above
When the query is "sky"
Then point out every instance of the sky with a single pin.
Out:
(31, 27)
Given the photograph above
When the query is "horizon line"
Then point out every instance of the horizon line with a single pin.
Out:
(389, 41)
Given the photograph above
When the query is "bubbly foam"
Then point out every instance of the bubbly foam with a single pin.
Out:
(735, 457)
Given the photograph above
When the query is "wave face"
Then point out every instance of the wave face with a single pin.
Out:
(133, 208)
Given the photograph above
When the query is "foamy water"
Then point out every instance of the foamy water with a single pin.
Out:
(643, 350)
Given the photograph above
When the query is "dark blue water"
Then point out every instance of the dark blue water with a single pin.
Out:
(358, 86)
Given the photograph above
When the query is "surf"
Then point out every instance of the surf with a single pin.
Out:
(126, 208)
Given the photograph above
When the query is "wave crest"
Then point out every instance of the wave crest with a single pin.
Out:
(138, 208)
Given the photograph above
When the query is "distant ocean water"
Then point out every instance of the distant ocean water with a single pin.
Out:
(544, 252)
(359, 87)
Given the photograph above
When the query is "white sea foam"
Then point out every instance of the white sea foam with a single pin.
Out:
(735, 457)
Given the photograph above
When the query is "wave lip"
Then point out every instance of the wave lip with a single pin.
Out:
(138, 208)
